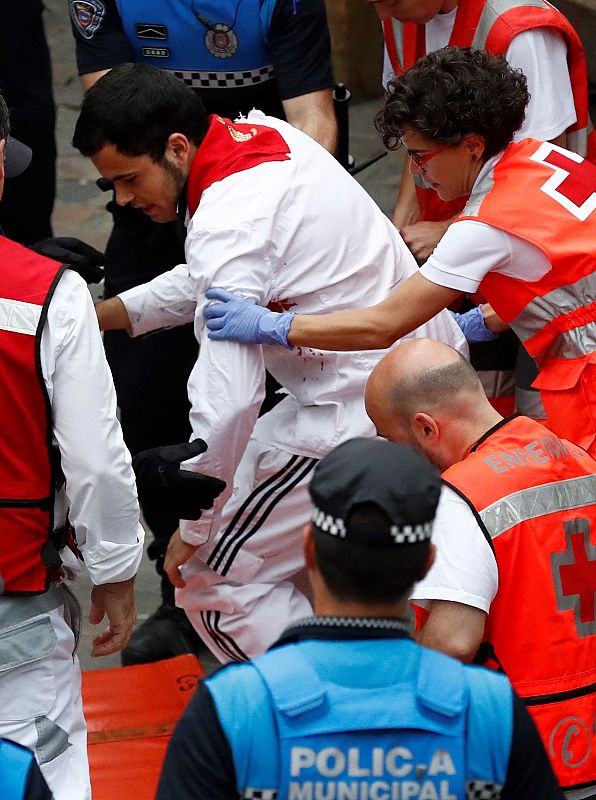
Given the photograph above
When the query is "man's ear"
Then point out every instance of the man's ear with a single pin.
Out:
(309, 548)
(425, 428)
(476, 145)
(180, 148)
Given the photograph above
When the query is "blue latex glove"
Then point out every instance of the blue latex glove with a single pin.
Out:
(242, 321)
(473, 327)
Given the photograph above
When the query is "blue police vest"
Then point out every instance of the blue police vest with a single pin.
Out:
(410, 728)
(15, 763)
(209, 43)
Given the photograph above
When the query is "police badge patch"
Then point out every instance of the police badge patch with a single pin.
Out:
(221, 41)
(87, 16)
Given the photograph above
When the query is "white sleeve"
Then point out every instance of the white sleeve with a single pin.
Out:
(165, 302)
(541, 54)
(100, 484)
(467, 251)
(227, 384)
(465, 569)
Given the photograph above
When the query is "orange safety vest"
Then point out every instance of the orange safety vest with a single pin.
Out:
(534, 496)
(28, 467)
(554, 316)
(492, 25)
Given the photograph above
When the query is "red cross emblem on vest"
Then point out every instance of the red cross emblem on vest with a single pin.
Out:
(574, 574)
(573, 182)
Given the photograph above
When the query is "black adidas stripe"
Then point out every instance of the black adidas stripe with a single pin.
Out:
(266, 489)
(219, 637)
(241, 539)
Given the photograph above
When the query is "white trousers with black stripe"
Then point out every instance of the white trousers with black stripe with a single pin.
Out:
(248, 583)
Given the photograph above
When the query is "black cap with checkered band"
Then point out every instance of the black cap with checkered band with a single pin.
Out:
(393, 477)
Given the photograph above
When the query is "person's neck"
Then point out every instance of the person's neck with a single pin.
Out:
(192, 152)
(477, 430)
(325, 605)
(447, 6)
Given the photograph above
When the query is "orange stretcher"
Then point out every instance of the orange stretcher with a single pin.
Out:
(131, 713)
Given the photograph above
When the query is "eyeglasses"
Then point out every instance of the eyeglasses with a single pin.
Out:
(420, 159)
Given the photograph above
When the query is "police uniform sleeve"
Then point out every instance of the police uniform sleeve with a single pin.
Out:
(300, 47)
(198, 763)
(529, 773)
(99, 36)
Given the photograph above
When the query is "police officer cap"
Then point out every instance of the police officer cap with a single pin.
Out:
(394, 477)
(17, 157)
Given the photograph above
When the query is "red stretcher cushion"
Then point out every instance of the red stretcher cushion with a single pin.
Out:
(131, 713)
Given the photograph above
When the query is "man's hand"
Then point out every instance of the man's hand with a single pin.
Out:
(182, 492)
(117, 601)
(242, 321)
(78, 255)
(423, 237)
(178, 553)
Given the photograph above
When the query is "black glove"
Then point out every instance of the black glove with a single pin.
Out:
(182, 492)
(77, 255)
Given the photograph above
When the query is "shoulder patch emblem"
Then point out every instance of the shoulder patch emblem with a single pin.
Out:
(87, 16)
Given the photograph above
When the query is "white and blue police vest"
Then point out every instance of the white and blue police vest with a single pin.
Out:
(406, 737)
(208, 43)
(15, 763)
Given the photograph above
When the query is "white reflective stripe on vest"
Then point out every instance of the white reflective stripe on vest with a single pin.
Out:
(492, 11)
(19, 317)
(479, 192)
(563, 300)
(577, 140)
(538, 502)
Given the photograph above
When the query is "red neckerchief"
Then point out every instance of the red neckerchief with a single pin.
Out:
(231, 147)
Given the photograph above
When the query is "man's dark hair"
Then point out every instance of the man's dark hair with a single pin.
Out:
(453, 92)
(136, 108)
(4, 119)
(368, 574)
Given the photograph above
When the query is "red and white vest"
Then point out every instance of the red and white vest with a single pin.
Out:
(535, 497)
(547, 196)
(27, 466)
(492, 25)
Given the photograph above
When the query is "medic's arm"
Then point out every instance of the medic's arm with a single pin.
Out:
(411, 304)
